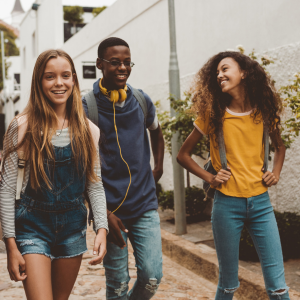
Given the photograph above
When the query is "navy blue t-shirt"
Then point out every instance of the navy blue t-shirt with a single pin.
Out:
(134, 142)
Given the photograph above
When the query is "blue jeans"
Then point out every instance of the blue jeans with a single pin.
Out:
(144, 235)
(229, 216)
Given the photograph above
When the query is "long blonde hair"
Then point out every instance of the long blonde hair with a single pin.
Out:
(41, 119)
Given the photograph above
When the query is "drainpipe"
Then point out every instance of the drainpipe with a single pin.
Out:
(174, 87)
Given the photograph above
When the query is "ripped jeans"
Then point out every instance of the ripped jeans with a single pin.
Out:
(144, 235)
(229, 216)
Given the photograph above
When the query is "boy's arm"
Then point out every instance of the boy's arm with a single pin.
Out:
(158, 150)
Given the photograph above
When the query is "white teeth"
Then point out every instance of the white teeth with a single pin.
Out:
(59, 92)
(222, 82)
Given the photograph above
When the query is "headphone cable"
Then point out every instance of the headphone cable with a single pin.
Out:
(122, 159)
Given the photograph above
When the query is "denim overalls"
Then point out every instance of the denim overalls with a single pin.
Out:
(53, 221)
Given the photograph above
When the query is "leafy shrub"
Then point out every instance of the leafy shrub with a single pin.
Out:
(158, 189)
(289, 231)
(194, 200)
(97, 10)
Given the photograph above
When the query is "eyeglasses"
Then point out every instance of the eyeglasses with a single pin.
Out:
(116, 63)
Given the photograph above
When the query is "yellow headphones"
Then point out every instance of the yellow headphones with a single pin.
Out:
(114, 95)
(117, 96)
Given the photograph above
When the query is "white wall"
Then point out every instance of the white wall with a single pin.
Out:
(203, 28)
(47, 25)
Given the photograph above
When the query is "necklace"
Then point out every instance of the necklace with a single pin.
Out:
(59, 133)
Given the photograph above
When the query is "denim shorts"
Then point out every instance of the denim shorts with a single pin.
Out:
(56, 230)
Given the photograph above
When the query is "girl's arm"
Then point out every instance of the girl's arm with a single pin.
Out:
(97, 198)
(272, 178)
(9, 183)
(184, 159)
(15, 261)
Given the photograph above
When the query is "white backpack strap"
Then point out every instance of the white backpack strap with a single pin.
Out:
(21, 169)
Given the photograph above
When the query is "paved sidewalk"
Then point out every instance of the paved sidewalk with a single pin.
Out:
(177, 283)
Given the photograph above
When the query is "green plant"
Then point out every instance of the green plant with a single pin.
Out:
(10, 49)
(289, 231)
(73, 15)
(97, 10)
(158, 189)
(183, 123)
(194, 200)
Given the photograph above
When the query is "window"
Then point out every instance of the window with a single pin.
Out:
(17, 86)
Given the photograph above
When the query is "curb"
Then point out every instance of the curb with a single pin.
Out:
(202, 260)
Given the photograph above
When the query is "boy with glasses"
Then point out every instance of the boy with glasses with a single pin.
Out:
(124, 114)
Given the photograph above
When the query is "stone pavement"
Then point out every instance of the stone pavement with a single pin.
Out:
(177, 283)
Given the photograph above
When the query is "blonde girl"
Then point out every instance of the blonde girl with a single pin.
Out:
(44, 227)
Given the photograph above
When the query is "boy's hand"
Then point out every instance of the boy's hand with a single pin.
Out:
(157, 174)
(99, 247)
(115, 226)
(269, 178)
(15, 262)
(222, 177)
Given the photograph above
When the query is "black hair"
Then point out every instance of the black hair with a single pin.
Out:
(209, 99)
(110, 42)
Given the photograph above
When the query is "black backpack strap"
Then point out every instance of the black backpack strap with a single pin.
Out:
(222, 150)
(266, 143)
(142, 101)
(92, 107)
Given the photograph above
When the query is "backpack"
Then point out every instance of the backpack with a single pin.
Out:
(210, 192)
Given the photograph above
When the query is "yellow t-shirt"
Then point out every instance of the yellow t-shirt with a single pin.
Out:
(244, 152)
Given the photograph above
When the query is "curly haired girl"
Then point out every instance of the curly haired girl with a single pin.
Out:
(44, 217)
(233, 94)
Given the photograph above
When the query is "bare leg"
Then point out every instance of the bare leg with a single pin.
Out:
(37, 285)
(64, 274)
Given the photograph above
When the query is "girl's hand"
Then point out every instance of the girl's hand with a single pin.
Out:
(99, 247)
(221, 177)
(269, 179)
(15, 261)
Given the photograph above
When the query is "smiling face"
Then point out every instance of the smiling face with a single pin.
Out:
(57, 81)
(115, 77)
(229, 75)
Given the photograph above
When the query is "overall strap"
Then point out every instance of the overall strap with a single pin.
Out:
(92, 107)
(222, 150)
(142, 101)
(266, 143)
(21, 168)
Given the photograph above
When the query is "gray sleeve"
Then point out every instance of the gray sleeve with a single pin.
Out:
(97, 198)
(9, 183)
(154, 125)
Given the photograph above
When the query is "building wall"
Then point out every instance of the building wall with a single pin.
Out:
(11, 93)
(203, 29)
(40, 30)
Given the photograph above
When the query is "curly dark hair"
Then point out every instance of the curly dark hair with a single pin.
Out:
(209, 100)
